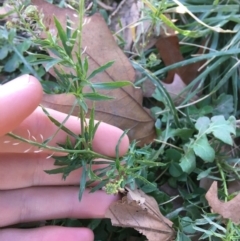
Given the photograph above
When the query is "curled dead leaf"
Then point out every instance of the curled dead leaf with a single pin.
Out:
(125, 111)
(141, 212)
(229, 210)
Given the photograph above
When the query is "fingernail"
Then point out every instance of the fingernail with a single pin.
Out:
(16, 84)
(25, 79)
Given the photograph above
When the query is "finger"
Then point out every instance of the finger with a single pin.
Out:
(18, 99)
(38, 127)
(47, 234)
(44, 203)
(21, 170)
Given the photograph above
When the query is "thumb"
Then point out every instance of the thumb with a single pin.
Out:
(18, 99)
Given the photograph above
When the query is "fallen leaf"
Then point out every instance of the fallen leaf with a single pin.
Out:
(125, 111)
(169, 50)
(174, 89)
(141, 212)
(168, 47)
(229, 210)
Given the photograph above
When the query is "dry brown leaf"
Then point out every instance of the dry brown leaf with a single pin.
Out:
(141, 212)
(125, 111)
(229, 210)
(168, 47)
(169, 50)
(174, 89)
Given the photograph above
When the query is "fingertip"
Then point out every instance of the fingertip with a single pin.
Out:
(47, 233)
(18, 99)
(106, 139)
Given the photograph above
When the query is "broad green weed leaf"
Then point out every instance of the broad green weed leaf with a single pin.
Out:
(195, 112)
(183, 133)
(203, 149)
(4, 50)
(186, 223)
(223, 105)
(202, 124)
(222, 129)
(204, 173)
(12, 64)
(182, 237)
(175, 169)
(173, 155)
(188, 161)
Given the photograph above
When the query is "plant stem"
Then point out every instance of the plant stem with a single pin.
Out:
(80, 27)
(56, 149)
(225, 189)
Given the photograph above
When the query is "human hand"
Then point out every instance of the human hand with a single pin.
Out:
(27, 193)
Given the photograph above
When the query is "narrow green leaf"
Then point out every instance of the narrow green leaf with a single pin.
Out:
(72, 41)
(100, 69)
(111, 85)
(28, 66)
(92, 176)
(83, 180)
(203, 149)
(91, 123)
(95, 128)
(117, 161)
(56, 171)
(99, 186)
(83, 104)
(166, 97)
(85, 65)
(96, 96)
(151, 163)
(62, 35)
(60, 125)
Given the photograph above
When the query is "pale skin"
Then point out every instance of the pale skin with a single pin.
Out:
(27, 193)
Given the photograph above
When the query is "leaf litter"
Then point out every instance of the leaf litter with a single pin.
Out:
(141, 212)
(229, 210)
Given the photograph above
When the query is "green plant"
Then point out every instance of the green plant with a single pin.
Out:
(124, 170)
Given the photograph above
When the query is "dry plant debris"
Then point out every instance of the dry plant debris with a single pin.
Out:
(141, 212)
(125, 110)
(229, 210)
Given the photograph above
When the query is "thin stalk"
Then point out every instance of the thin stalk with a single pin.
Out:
(225, 189)
(57, 149)
(80, 28)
